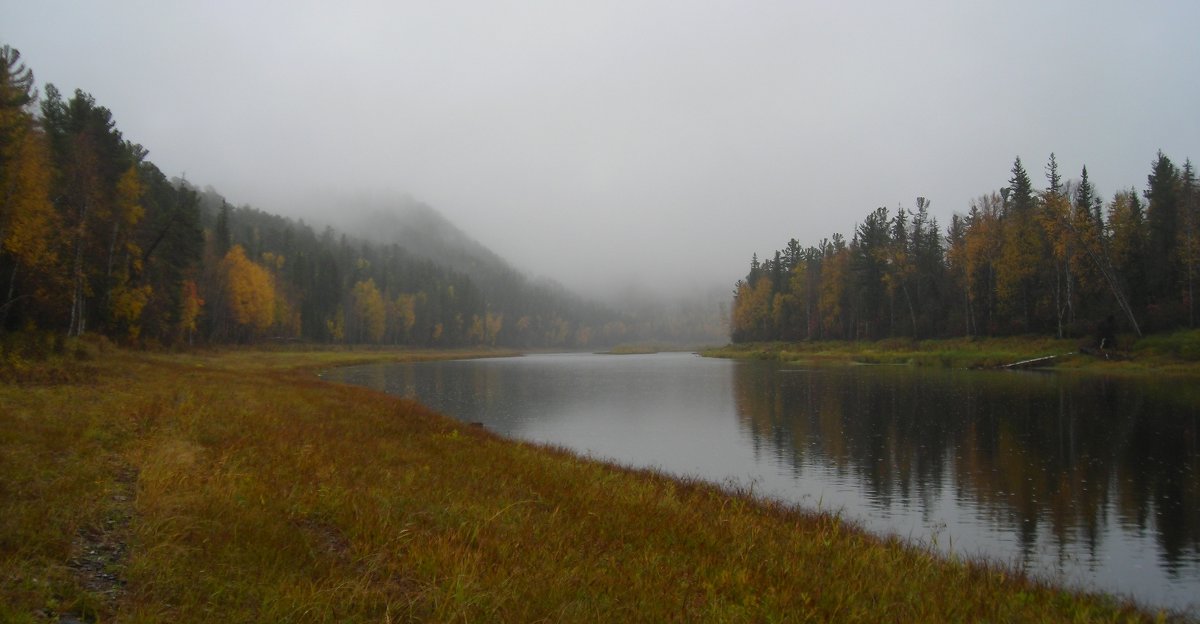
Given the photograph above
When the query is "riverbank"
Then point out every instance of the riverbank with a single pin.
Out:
(1177, 353)
(238, 486)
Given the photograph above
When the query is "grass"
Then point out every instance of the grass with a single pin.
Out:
(1177, 353)
(238, 487)
(640, 348)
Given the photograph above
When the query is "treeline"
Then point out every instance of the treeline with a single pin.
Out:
(1059, 261)
(330, 287)
(92, 235)
(94, 238)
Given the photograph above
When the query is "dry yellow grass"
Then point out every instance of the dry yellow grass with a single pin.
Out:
(238, 487)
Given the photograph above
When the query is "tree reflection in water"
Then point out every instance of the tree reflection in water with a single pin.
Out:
(1022, 449)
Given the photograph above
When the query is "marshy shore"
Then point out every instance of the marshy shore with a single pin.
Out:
(238, 486)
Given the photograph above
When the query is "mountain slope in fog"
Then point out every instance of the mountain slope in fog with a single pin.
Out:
(426, 233)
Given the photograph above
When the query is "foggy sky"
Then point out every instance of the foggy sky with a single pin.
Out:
(602, 141)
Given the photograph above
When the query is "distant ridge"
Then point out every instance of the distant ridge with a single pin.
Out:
(425, 232)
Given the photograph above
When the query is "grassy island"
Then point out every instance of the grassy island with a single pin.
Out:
(239, 487)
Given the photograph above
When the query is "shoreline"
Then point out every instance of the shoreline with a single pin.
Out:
(237, 485)
(1168, 354)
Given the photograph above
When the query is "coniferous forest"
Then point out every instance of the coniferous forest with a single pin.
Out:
(95, 239)
(1060, 261)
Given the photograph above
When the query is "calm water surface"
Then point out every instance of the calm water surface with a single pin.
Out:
(1087, 480)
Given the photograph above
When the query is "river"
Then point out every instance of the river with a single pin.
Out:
(1086, 480)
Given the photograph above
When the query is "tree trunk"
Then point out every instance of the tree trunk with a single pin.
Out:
(1058, 307)
(912, 313)
(8, 299)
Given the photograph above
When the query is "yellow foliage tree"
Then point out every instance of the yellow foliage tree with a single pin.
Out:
(27, 218)
(981, 252)
(834, 277)
(125, 300)
(370, 313)
(29, 225)
(402, 316)
(494, 323)
(125, 308)
(336, 326)
(189, 309)
(752, 309)
(249, 292)
(475, 334)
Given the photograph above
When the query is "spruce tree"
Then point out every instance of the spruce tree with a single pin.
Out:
(1020, 194)
(1162, 217)
(1085, 195)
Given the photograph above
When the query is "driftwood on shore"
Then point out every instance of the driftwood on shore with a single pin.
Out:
(1039, 362)
(1048, 360)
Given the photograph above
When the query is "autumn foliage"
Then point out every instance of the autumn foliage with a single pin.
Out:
(249, 293)
(95, 239)
(1058, 261)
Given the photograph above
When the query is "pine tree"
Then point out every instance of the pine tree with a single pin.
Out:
(1085, 195)
(1162, 218)
(1022, 252)
(1189, 235)
(221, 233)
(1019, 198)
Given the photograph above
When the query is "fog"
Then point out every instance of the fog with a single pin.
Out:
(630, 146)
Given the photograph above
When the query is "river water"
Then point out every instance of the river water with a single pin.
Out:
(1086, 480)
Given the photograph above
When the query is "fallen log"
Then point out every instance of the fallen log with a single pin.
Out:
(1046, 360)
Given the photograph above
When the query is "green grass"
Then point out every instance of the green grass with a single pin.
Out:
(1177, 353)
(1181, 345)
(238, 487)
(647, 348)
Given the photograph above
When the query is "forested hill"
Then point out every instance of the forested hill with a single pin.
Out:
(409, 277)
(94, 238)
(1058, 261)
(422, 230)
(426, 233)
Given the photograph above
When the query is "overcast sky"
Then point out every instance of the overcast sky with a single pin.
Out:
(593, 141)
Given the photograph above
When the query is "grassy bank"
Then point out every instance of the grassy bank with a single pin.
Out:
(650, 348)
(1177, 353)
(238, 487)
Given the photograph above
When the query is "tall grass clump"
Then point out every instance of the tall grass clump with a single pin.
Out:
(1182, 345)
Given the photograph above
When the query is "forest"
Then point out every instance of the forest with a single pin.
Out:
(1059, 261)
(95, 239)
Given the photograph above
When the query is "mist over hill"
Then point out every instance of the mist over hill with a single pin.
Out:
(423, 231)
(680, 314)
(402, 233)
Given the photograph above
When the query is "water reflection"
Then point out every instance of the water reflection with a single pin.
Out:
(1094, 480)
(1066, 465)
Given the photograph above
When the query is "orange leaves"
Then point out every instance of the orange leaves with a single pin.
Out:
(249, 291)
